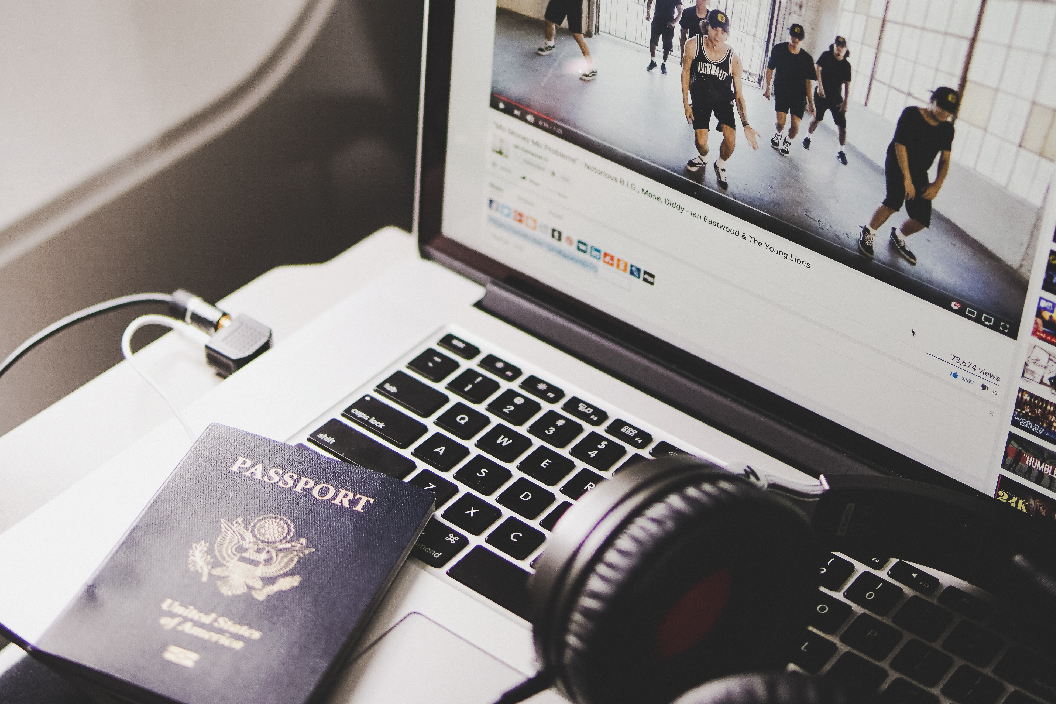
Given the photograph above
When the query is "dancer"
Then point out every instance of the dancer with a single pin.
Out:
(921, 135)
(834, 89)
(662, 25)
(711, 75)
(794, 68)
(556, 12)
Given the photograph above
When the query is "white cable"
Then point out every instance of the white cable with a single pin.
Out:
(188, 331)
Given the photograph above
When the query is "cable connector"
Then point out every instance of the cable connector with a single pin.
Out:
(236, 344)
(195, 310)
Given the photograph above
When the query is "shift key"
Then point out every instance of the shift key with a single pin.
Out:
(385, 421)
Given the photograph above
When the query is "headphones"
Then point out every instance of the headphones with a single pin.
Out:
(677, 576)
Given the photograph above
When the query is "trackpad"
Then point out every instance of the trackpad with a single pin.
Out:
(420, 661)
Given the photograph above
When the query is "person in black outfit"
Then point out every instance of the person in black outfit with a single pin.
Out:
(834, 89)
(921, 135)
(711, 76)
(662, 25)
(692, 22)
(794, 69)
(556, 12)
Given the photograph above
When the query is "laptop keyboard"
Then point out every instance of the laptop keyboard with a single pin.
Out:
(507, 449)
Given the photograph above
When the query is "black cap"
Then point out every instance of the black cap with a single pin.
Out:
(796, 31)
(841, 41)
(946, 98)
(719, 20)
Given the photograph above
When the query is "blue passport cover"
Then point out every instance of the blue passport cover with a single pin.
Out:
(246, 579)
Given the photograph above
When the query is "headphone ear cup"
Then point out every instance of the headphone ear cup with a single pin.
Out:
(709, 579)
(765, 688)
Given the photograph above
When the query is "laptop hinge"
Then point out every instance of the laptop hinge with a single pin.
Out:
(648, 374)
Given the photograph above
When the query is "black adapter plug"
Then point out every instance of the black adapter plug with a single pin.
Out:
(236, 344)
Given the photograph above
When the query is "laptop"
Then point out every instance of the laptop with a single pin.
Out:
(580, 300)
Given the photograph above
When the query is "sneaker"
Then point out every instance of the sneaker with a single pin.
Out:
(663, 69)
(806, 143)
(786, 147)
(589, 75)
(900, 245)
(720, 175)
(775, 141)
(545, 50)
(865, 242)
(842, 157)
(696, 163)
(651, 66)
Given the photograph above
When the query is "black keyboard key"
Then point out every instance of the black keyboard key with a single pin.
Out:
(412, 394)
(578, 408)
(462, 421)
(665, 448)
(551, 518)
(547, 466)
(503, 443)
(1017, 697)
(598, 451)
(1028, 671)
(922, 618)
(514, 407)
(635, 437)
(500, 368)
(913, 578)
(459, 346)
(964, 603)
(973, 643)
(871, 637)
(829, 613)
(631, 461)
(922, 663)
(442, 489)
(473, 386)
(835, 571)
(433, 365)
(873, 593)
(495, 578)
(902, 691)
(483, 475)
(554, 429)
(580, 484)
(857, 675)
(542, 389)
(515, 538)
(438, 544)
(441, 452)
(353, 446)
(812, 652)
(471, 513)
(525, 498)
(969, 686)
(385, 421)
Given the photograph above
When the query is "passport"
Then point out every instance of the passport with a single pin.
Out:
(247, 578)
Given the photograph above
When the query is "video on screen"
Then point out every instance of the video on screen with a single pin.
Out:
(1030, 461)
(955, 222)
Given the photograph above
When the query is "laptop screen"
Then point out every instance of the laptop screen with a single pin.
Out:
(880, 255)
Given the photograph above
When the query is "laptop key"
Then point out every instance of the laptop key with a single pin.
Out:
(471, 513)
(353, 446)
(483, 475)
(525, 498)
(812, 652)
(459, 346)
(829, 613)
(922, 618)
(921, 663)
(964, 603)
(473, 386)
(462, 421)
(1028, 671)
(542, 389)
(598, 451)
(871, 636)
(551, 518)
(495, 578)
(857, 674)
(503, 443)
(913, 578)
(438, 544)
(442, 489)
(665, 448)
(385, 421)
(578, 408)
(547, 466)
(514, 407)
(973, 643)
(500, 368)
(412, 394)
(441, 452)
(631, 461)
(554, 429)
(873, 593)
(969, 686)
(515, 538)
(635, 437)
(902, 691)
(835, 571)
(580, 484)
(433, 365)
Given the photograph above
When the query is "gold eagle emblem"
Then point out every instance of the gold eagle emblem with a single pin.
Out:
(250, 556)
